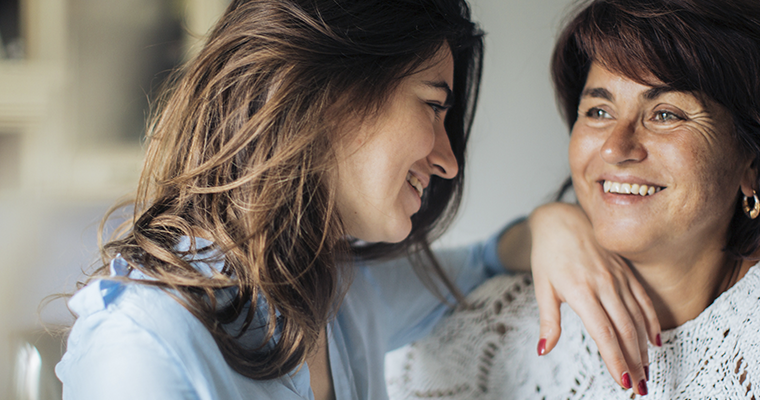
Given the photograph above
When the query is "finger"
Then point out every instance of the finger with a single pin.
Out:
(638, 319)
(628, 323)
(600, 328)
(647, 308)
(549, 315)
(636, 315)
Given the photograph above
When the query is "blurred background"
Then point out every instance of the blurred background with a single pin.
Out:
(76, 78)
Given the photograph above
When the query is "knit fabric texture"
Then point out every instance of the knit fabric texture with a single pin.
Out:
(488, 351)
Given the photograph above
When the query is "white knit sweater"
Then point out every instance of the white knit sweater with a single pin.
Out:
(489, 352)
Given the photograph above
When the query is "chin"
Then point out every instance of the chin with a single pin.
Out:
(397, 232)
(390, 234)
(623, 244)
(399, 236)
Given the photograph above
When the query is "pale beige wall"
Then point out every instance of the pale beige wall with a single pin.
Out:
(518, 150)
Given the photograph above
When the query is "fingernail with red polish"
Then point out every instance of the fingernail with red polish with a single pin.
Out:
(657, 341)
(542, 347)
(646, 371)
(642, 388)
(626, 380)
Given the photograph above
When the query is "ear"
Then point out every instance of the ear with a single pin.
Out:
(748, 182)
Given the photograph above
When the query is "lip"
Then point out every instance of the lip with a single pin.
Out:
(416, 199)
(424, 179)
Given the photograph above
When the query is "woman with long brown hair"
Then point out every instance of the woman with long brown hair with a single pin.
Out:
(307, 138)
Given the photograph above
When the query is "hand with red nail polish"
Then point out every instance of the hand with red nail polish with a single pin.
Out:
(569, 266)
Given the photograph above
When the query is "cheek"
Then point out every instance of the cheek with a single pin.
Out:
(415, 138)
(710, 183)
(580, 154)
(574, 154)
(713, 169)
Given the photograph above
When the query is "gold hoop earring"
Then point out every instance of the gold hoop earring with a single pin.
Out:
(753, 212)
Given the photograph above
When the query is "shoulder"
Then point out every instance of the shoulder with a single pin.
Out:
(736, 309)
(732, 317)
(133, 340)
(137, 339)
(717, 346)
(125, 309)
(118, 346)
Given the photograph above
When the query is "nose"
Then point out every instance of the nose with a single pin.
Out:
(441, 159)
(623, 145)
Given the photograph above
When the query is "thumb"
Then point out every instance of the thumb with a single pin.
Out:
(548, 309)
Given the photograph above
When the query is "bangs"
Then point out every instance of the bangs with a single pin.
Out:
(630, 59)
(651, 47)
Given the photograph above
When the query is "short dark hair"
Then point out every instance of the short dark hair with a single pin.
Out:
(711, 47)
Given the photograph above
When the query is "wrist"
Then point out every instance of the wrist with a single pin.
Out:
(550, 215)
(514, 246)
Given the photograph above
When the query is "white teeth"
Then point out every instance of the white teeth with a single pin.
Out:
(416, 184)
(627, 188)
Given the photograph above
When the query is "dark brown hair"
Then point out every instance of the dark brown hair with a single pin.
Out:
(710, 47)
(239, 150)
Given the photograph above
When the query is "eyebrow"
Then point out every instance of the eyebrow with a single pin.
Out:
(598, 93)
(658, 91)
(441, 85)
(650, 94)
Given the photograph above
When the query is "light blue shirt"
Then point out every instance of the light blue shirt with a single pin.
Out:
(134, 341)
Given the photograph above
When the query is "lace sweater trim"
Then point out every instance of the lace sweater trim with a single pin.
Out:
(488, 352)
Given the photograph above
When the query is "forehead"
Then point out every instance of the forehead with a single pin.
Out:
(599, 74)
(610, 85)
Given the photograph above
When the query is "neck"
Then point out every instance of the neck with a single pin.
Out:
(681, 289)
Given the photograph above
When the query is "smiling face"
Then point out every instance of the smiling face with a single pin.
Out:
(674, 149)
(385, 165)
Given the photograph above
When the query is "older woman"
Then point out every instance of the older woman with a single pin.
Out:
(663, 99)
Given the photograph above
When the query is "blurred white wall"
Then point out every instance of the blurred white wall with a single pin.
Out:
(70, 168)
(518, 150)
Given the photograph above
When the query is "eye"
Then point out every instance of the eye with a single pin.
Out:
(666, 116)
(438, 109)
(598, 113)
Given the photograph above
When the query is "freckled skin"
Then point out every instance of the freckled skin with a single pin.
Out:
(675, 140)
(374, 199)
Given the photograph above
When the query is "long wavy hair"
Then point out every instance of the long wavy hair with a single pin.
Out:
(711, 47)
(239, 149)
